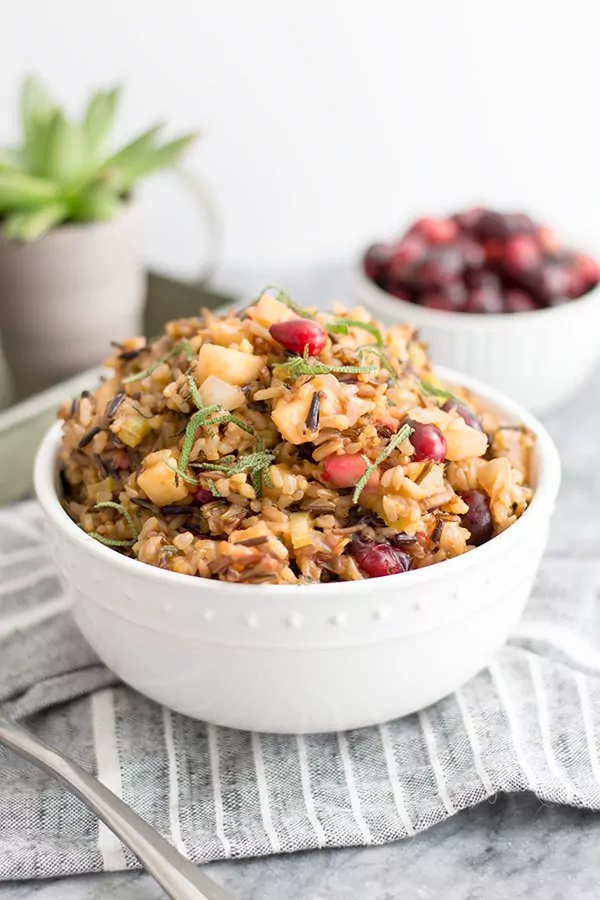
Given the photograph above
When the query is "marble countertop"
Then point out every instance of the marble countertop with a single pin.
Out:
(514, 847)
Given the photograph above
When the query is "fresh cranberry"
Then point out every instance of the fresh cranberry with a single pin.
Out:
(484, 300)
(518, 301)
(376, 260)
(441, 267)
(522, 255)
(409, 251)
(400, 291)
(438, 301)
(462, 410)
(483, 278)
(553, 283)
(298, 334)
(478, 519)
(588, 268)
(435, 231)
(548, 240)
(493, 225)
(379, 559)
(344, 471)
(428, 442)
(201, 495)
(473, 253)
(470, 218)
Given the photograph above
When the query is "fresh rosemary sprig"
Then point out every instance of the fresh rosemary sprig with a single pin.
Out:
(395, 441)
(256, 463)
(110, 542)
(287, 301)
(180, 347)
(343, 326)
(438, 392)
(370, 348)
(301, 365)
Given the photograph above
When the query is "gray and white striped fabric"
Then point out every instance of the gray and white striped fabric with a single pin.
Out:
(531, 722)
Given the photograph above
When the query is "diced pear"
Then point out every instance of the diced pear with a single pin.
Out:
(215, 391)
(290, 417)
(268, 311)
(158, 480)
(231, 366)
(301, 530)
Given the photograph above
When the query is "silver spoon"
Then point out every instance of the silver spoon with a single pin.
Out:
(176, 875)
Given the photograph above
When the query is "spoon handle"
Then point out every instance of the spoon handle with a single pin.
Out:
(177, 876)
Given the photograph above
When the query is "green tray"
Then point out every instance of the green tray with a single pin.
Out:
(23, 425)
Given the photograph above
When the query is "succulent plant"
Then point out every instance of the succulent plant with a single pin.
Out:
(62, 172)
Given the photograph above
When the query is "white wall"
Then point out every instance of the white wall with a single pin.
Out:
(328, 122)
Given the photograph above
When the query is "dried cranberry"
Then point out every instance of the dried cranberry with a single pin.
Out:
(478, 519)
(427, 440)
(409, 251)
(298, 334)
(462, 410)
(470, 218)
(438, 301)
(379, 559)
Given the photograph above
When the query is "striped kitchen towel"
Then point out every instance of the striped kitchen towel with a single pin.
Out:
(530, 722)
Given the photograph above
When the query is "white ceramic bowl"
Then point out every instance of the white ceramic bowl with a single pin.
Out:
(539, 358)
(311, 658)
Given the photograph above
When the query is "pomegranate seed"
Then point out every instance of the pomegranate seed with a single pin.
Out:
(379, 559)
(435, 231)
(428, 442)
(344, 471)
(298, 334)
(462, 410)
(478, 519)
(522, 255)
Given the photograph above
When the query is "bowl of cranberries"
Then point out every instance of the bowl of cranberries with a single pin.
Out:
(495, 295)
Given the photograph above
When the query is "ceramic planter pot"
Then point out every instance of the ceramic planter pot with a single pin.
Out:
(65, 297)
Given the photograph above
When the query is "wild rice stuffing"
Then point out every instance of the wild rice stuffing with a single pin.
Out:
(283, 445)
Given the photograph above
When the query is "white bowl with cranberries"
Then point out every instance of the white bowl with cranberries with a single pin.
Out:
(494, 295)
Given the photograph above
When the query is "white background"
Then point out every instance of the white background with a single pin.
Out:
(329, 122)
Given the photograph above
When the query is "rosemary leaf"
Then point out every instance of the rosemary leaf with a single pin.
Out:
(110, 542)
(369, 348)
(395, 441)
(438, 392)
(180, 347)
(287, 301)
(195, 392)
(343, 326)
(300, 365)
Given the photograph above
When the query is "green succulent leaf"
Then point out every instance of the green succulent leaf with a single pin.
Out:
(128, 160)
(99, 202)
(34, 223)
(65, 149)
(11, 160)
(37, 108)
(19, 191)
(99, 119)
(167, 155)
